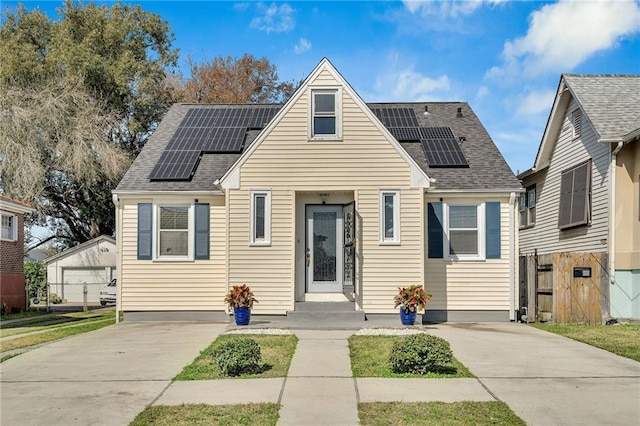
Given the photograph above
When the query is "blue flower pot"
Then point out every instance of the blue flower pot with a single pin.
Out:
(242, 315)
(407, 318)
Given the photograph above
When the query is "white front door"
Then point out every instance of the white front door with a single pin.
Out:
(324, 254)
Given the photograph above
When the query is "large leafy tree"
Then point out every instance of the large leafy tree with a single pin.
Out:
(80, 96)
(234, 80)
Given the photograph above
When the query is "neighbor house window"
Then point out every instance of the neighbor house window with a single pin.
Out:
(575, 196)
(9, 227)
(260, 217)
(390, 217)
(576, 121)
(325, 114)
(173, 231)
(528, 207)
(465, 231)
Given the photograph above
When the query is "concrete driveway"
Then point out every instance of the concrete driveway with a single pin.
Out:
(547, 379)
(105, 377)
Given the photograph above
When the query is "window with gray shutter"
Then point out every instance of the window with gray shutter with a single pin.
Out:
(575, 196)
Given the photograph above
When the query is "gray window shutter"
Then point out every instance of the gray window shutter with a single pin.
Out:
(434, 234)
(492, 213)
(201, 231)
(575, 188)
(145, 230)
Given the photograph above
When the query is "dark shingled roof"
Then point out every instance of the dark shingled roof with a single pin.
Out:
(487, 168)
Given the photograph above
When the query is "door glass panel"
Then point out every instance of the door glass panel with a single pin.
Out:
(324, 246)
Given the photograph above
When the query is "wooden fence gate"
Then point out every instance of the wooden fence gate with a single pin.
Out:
(566, 288)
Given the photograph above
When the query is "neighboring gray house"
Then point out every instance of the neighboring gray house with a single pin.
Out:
(92, 262)
(583, 194)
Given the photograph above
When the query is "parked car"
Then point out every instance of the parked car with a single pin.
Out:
(108, 293)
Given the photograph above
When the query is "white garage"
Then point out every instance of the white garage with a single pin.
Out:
(93, 263)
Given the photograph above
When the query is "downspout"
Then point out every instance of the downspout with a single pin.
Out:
(512, 255)
(116, 202)
(612, 218)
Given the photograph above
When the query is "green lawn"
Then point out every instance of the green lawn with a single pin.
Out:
(202, 414)
(52, 332)
(488, 413)
(24, 314)
(370, 358)
(623, 340)
(276, 351)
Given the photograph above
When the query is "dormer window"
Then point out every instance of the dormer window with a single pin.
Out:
(325, 120)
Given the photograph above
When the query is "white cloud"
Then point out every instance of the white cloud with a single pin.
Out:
(409, 85)
(446, 8)
(483, 91)
(274, 18)
(535, 102)
(565, 34)
(302, 46)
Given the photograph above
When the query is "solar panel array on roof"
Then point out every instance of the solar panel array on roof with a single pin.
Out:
(441, 148)
(208, 130)
(176, 165)
(396, 116)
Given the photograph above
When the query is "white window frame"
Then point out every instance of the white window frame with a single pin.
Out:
(157, 256)
(14, 226)
(396, 217)
(266, 241)
(481, 229)
(338, 113)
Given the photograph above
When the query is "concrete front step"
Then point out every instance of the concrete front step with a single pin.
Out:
(326, 312)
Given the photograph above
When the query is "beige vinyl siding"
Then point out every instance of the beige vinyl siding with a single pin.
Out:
(569, 152)
(149, 285)
(286, 163)
(471, 285)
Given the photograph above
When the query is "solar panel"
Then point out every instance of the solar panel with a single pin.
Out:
(443, 153)
(209, 130)
(175, 165)
(436, 133)
(396, 116)
(406, 134)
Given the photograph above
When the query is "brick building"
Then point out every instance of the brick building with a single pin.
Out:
(12, 290)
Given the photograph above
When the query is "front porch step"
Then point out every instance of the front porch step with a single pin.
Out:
(321, 312)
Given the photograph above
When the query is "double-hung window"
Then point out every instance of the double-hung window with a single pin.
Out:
(465, 233)
(390, 217)
(528, 207)
(325, 122)
(173, 232)
(9, 231)
(260, 225)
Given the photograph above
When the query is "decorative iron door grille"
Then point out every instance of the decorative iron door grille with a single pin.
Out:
(349, 241)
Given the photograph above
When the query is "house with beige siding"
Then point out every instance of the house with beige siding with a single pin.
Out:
(582, 198)
(321, 202)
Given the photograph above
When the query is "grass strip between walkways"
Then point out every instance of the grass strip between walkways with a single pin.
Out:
(57, 332)
(51, 322)
(202, 414)
(623, 339)
(32, 312)
(276, 350)
(370, 358)
(437, 413)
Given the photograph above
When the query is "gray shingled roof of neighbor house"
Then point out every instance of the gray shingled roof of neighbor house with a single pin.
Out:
(611, 102)
(487, 171)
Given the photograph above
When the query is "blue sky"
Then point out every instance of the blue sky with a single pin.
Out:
(503, 57)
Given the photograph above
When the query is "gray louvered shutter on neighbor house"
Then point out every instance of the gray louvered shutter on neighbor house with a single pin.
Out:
(575, 188)
(492, 213)
(201, 238)
(145, 230)
(434, 233)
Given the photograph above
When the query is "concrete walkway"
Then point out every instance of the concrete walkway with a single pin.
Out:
(108, 376)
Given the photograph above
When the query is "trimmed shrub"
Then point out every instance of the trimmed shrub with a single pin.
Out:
(420, 354)
(238, 356)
